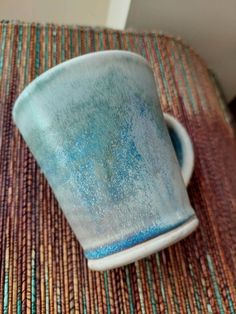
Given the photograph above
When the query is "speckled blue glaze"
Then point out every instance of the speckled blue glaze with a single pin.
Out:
(141, 236)
(95, 127)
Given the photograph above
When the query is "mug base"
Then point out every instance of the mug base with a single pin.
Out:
(144, 249)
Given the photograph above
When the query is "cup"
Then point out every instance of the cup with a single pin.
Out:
(95, 126)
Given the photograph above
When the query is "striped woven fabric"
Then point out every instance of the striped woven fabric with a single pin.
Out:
(42, 267)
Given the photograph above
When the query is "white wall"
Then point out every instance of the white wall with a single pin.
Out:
(83, 12)
(209, 26)
(117, 13)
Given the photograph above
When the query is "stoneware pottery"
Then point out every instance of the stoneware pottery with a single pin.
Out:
(95, 126)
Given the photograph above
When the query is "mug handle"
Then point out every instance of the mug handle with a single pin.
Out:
(182, 145)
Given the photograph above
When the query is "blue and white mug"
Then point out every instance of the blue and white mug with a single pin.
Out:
(95, 126)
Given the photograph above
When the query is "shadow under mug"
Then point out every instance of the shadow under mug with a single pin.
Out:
(95, 126)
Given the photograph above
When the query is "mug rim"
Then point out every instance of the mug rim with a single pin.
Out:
(78, 59)
(146, 248)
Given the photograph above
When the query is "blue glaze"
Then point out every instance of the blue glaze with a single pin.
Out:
(131, 241)
(177, 145)
(96, 129)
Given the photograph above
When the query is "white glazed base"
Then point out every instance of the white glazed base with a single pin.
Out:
(144, 249)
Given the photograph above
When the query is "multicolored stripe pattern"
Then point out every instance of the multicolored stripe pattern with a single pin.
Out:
(42, 266)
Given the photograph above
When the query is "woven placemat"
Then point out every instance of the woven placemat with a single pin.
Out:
(42, 267)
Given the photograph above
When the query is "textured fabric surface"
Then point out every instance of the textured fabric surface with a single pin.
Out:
(42, 267)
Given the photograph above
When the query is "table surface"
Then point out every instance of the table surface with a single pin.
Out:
(42, 267)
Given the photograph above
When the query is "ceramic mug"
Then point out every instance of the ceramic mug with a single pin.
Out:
(95, 126)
